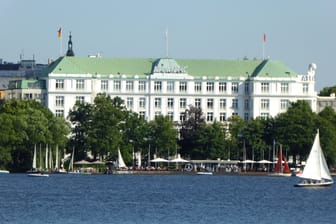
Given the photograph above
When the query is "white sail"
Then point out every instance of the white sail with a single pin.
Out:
(46, 158)
(34, 158)
(56, 162)
(316, 167)
(72, 160)
(120, 161)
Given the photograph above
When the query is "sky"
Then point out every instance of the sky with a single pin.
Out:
(297, 32)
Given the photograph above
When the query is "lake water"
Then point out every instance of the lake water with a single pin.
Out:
(162, 199)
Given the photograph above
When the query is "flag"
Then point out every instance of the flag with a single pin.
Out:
(59, 32)
(264, 37)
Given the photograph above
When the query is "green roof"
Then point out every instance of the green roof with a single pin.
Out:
(27, 84)
(194, 67)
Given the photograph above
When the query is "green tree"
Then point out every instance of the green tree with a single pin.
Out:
(327, 127)
(235, 136)
(81, 119)
(163, 135)
(194, 119)
(210, 142)
(327, 91)
(254, 133)
(296, 128)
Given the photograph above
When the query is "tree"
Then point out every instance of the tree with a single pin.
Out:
(254, 133)
(27, 123)
(235, 136)
(194, 119)
(163, 135)
(210, 142)
(81, 119)
(296, 128)
(326, 125)
(327, 91)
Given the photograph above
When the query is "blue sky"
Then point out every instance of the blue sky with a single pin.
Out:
(298, 32)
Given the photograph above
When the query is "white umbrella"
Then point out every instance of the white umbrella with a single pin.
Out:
(159, 160)
(264, 161)
(179, 160)
(248, 161)
(82, 162)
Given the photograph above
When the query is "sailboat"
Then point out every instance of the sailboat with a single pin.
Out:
(71, 168)
(34, 172)
(281, 169)
(316, 172)
(120, 162)
(120, 165)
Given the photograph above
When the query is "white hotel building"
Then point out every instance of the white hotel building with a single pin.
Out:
(149, 87)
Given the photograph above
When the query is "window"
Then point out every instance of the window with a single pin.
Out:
(305, 88)
(284, 104)
(235, 104)
(222, 87)
(28, 96)
(171, 115)
(209, 116)
(182, 116)
(264, 87)
(157, 114)
(183, 86)
(246, 116)
(129, 86)
(142, 114)
(59, 84)
(142, 86)
(264, 115)
(183, 103)
(246, 104)
(142, 102)
(264, 104)
(129, 102)
(198, 103)
(157, 86)
(80, 84)
(222, 116)
(80, 99)
(170, 103)
(247, 88)
(234, 87)
(59, 101)
(198, 86)
(284, 87)
(222, 103)
(157, 102)
(210, 103)
(104, 85)
(170, 86)
(59, 113)
(116, 85)
(210, 86)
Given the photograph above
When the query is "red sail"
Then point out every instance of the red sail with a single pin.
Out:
(286, 167)
(279, 163)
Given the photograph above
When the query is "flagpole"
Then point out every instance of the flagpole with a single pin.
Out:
(166, 39)
(263, 47)
(60, 46)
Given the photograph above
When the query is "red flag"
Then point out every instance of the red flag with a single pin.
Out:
(59, 32)
(264, 37)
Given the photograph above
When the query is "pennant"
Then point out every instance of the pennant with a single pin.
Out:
(264, 37)
(59, 32)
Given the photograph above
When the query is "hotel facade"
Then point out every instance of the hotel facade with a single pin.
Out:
(167, 86)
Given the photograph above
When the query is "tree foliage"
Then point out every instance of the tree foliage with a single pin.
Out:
(26, 123)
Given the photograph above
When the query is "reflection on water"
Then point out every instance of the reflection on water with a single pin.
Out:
(162, 198)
